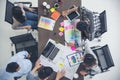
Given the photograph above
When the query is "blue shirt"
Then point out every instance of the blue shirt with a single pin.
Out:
(25, 66)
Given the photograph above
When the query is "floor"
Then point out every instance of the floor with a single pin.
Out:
(111, 38)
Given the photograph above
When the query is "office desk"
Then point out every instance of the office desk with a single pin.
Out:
(61, 57)
(44, 35)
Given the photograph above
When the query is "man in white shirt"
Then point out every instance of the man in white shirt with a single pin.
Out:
(90, 62)
(18, 66)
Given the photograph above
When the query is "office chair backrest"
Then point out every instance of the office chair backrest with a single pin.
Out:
(105, 60)
(103, 21)
(98, 23)
(8, 13)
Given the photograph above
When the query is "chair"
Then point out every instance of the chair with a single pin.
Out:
(8, 13)
(98, 22)
(105, 60)
(9, 6)
(28, 43)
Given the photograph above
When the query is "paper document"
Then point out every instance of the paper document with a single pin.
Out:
(60, 61)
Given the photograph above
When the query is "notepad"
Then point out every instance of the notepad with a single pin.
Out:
(46, 23)
(55, 15)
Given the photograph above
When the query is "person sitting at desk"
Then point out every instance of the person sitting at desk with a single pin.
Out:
(24, 19)
(43, 72)
(18, 66)
(90, 63)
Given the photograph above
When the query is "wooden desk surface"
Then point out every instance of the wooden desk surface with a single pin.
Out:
(44, 35)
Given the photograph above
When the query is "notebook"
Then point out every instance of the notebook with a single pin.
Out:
(50, 51)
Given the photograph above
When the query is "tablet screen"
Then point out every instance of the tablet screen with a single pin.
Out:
(73, 15)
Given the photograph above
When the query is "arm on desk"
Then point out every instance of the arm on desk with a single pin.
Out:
(37, 66)
(66, 12)
(60, 74)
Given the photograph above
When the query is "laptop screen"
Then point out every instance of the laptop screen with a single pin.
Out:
(50, 51)
(73, 15)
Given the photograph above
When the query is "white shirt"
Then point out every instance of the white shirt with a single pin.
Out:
(89, 50)
(25, 66)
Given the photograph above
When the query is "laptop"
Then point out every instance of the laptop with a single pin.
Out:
(50, 51)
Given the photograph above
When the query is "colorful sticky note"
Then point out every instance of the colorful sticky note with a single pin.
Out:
(55, 15)
(61, 64)
(52, 10)
(70, 26)
(62, 24)
(61, 29)
(65, 27)
(60, 33)
(73, 48)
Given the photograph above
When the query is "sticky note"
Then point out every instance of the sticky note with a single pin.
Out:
(52, 10)
(61, 64)
(62, 24)
(55, 15)
(61, 29)
(60, 34)
(65, 27)
(73, 48)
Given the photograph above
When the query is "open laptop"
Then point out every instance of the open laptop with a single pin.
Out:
(50, 51)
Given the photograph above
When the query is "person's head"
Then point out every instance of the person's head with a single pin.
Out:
(18, 14)
(86, 20)
(89, 60)
(45, 72)
(12, 67)
(84, 28)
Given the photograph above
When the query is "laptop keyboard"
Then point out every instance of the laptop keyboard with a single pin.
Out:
(50, 51)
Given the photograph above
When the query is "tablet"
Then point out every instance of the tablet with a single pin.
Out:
(73, 15)
(74, 58)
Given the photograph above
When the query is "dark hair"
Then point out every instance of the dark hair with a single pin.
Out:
(83, 27)
(17, 14)
(12, 67)
(89, 60)
(44, 72)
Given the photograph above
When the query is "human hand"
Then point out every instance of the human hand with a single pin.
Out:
(60, 74)
(83, 72)
(31, 9)
(64, 13)
(75, 8)
(37, 64)
(27, 27)
(28, 56)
